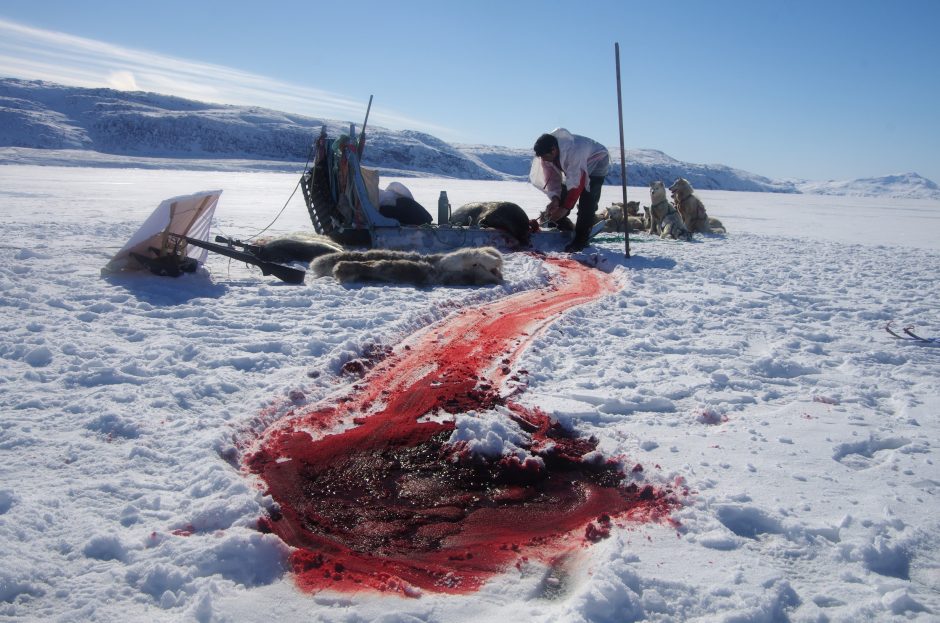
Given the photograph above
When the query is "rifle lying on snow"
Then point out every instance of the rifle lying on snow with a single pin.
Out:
(248, 254)
(247, 247)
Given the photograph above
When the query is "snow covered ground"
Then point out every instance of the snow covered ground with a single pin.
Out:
(753, 368)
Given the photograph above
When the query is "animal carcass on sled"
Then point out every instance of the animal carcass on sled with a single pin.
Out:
(342, 198)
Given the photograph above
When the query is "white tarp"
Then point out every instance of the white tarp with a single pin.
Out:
(187, 215)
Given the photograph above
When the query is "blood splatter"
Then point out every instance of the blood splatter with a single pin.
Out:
(188, 530)
(372, 495)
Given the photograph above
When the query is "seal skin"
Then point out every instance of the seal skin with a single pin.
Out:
(502, 215)
(285, 250)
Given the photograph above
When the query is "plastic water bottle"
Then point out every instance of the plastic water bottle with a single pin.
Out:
(443, 209)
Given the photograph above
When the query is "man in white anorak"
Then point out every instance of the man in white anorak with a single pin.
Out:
(570, 169)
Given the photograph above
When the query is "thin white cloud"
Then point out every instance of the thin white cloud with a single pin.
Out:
(122, 81)
(35, 54)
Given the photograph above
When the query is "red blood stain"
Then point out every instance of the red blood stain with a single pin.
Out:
(711, 417)
(371, 495)
(595, 532)
(189, 530)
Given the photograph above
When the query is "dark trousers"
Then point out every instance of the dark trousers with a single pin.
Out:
(587, 208)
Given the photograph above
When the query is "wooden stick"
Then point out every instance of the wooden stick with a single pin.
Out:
(623, 158)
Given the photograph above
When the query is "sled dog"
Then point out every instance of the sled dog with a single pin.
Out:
(664, 219)
(693, 210)
(613, 217)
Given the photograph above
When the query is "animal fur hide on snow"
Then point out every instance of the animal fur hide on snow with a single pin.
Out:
(464, 267)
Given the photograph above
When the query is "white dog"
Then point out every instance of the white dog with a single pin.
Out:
(613, 217)
(663, 217)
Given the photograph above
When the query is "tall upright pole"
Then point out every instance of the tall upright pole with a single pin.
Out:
(362, 135)
(623, 158)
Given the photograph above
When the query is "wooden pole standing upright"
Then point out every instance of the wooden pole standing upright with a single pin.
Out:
(623, 158)
(362, 135)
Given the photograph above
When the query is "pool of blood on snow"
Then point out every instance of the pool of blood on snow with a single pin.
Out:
(389, 505)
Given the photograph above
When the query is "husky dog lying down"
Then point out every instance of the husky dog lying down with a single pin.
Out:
(464, 267)
(614, 220)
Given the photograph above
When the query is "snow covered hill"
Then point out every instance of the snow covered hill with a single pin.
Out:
(46, 123)
(903, 186)
(643, 166)
(41, 115)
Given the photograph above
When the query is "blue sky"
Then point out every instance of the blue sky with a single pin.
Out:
(813, 89)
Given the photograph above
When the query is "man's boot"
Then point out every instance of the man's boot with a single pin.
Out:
(582, 230)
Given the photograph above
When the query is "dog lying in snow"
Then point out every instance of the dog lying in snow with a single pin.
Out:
(692, 209)
(464, 267)
(663, 217)
(614, 217)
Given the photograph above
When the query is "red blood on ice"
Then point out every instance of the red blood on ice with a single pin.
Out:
(388, 505)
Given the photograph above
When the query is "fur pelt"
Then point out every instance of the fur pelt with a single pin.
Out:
(472, 267)
(692, 209)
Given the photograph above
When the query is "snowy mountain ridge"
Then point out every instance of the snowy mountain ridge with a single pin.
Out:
(46, 123)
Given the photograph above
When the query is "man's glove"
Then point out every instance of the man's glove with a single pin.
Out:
(553, 212)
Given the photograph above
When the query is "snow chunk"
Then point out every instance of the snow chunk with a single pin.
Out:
(39, 357)
(719, 540)
(157, 580)
(12, 586)
(7, 500)
(886, 558)
(778, 368)
(899, 602)
(247, 558)
(491, 434)
(105, 547)
(748, 521)
(114, 425)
